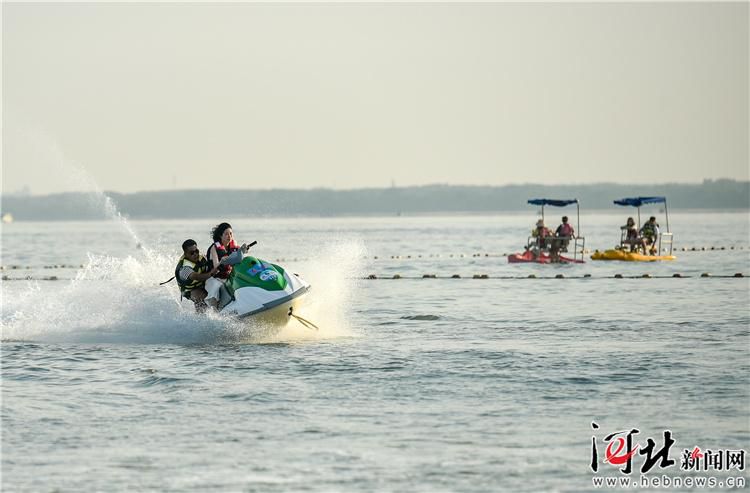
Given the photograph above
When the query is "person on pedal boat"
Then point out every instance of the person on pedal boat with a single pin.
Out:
(564, 233)
(650, 234)
(543, 237)
(630, 236)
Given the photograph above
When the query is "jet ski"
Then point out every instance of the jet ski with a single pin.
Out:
(264, 291)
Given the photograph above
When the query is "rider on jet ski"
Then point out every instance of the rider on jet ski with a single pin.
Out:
(191, 273)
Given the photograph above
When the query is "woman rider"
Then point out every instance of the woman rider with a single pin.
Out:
(222, 246)
(630, 236)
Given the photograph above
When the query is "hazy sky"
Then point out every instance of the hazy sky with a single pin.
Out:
(162, 96)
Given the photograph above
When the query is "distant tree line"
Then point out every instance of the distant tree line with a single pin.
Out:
(711, 194)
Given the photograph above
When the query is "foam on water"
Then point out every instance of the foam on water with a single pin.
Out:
(120, 300)
(334, 274)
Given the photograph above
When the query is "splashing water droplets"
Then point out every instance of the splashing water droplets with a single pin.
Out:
(119, 300)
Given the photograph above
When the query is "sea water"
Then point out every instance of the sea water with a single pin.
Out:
(110, 383)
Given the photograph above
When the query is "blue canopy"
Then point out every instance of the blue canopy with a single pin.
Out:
(639, 201)
(556, 203)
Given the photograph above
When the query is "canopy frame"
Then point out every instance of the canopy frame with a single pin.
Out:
(563, 203)
(560, 203)
(637, 202)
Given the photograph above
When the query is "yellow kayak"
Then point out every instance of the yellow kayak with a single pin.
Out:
(628, 256)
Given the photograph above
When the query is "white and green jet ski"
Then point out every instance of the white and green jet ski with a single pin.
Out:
(264, 291)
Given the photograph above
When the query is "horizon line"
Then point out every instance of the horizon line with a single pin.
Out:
(21, 193)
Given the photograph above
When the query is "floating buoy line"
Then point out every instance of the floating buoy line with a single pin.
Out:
(394, 257)
(424, 276)
(374, 277)
(29, 267)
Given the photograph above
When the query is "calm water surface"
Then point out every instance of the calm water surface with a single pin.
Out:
(110, 384)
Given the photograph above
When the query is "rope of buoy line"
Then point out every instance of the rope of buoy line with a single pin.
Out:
(397, 257)
(371, 277)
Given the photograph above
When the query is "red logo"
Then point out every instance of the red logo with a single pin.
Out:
(621, 450)
(615, 457)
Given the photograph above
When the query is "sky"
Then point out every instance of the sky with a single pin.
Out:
(132, 97)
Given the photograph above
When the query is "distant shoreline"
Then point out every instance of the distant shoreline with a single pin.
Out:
(434, 200)
(531, 214)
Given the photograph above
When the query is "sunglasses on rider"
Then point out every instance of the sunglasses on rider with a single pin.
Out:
(193, 252)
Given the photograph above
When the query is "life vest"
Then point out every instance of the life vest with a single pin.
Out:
(201, 267)
(221, 252)
(565, 229)
(649, 229)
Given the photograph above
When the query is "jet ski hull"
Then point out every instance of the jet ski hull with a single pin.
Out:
(263, 292)
(278, 315)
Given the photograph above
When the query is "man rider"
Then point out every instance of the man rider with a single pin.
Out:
(191, 273)
(650, 233)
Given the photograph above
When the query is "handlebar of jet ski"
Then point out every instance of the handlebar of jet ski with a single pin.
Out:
(236, 257)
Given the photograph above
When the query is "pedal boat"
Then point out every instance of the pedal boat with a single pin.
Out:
(623, 253)
(617, 254)
(533, 254)
(543, 258)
